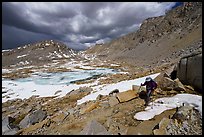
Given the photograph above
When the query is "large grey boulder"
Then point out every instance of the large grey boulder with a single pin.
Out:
(178, 86)
(94, 128)
(186, 121)
(166, 83)
(189, 70)
(34, 117)
(8, 128)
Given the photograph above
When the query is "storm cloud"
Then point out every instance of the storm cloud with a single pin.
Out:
(77, 24)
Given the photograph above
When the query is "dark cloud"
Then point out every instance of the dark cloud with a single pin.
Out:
(18, 37)
(77, 24)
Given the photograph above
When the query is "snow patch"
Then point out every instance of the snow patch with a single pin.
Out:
(162, 104)
(6, 50)
(5, 71)
(121, 86)
(22, 56)
(114, 65)
(23, 63)
(66, 56)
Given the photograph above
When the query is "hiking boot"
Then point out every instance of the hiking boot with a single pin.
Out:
(146, 104)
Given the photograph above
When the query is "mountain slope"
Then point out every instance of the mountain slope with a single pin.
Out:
(162, 39)
(37, 53)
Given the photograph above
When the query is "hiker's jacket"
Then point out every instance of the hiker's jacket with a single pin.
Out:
(150, 85)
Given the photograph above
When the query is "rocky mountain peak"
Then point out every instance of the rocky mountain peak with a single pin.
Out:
(37, 53)
(159, 39)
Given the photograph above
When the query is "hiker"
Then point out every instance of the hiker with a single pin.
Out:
(150, 86)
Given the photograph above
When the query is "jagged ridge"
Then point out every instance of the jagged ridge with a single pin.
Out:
(159, 39)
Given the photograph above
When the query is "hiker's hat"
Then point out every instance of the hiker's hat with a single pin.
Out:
(148, 79)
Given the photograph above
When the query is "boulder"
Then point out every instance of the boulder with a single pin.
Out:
(162, 127)
(113, 101)
(34, 117)
(11, 131)
(8, 128)
(99, 97)
(94, 128)
(81, 89)
(126, 95)
(104, 104)
(183, 113)
(189, 87)
(161, 78)
(114, 91)
(133, 131)
(189, 70)
(186, 121)
(166, 83)
(85, 89)
(59, 118)
(178, 86)
(170, 71)
(89, 107)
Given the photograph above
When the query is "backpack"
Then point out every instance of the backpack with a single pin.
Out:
(154, 84)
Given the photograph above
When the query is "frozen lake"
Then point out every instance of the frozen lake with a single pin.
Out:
(66, 78)
(47, 84)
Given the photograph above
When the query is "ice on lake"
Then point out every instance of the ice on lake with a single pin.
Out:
(46, 84)
(65, 78)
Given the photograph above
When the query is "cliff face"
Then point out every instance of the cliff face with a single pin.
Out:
(162, 39)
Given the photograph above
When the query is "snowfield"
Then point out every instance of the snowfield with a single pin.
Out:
(162, 104)
(121, 86)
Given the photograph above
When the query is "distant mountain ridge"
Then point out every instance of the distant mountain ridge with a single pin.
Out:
(159, 40)
(162, 39)
(37, 53)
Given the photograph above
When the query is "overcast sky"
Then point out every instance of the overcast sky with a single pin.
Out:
(77, 24)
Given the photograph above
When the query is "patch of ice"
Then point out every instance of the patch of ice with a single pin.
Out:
(162, 104)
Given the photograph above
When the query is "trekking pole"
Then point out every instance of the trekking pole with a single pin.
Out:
(152, 104)
(139, 88)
